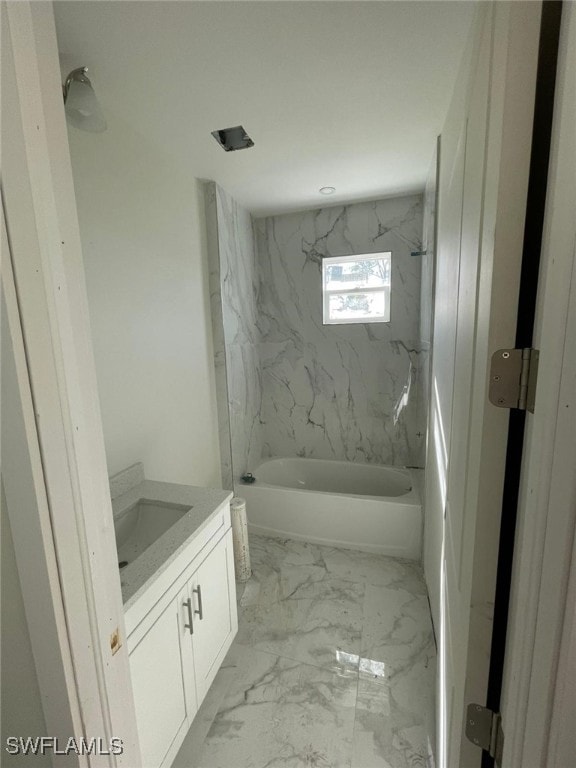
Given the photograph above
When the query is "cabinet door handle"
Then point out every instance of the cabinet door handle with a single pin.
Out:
(199, 593)
(190, 626)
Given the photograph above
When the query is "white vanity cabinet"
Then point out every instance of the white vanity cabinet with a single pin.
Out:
(177, 645)
(209, 620)
(162, 681)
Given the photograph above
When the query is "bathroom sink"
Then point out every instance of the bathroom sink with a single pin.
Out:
(142, 524)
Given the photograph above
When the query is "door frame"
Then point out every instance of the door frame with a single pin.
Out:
(539, 690)
(29, 520)
(64, 427)
(529, 279)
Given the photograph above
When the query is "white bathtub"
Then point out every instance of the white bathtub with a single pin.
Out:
(361, 506)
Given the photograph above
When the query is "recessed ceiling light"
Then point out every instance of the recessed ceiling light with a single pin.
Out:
(327, 190)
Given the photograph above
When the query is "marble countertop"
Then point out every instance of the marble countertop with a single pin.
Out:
(205, 504)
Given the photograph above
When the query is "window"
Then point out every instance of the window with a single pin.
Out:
(356, 289)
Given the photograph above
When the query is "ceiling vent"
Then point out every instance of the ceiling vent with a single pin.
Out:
(231, 139)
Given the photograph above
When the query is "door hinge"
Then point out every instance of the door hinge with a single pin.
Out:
(513, 378)
(484, 728)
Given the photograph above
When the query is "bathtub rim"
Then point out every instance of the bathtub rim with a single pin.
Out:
(411, 497)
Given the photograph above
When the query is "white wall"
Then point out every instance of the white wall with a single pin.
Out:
(143, 239)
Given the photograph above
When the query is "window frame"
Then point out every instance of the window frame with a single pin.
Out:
(327, 293)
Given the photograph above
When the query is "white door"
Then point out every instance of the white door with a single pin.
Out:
(212, 612)
(485, 154)
(164, 698)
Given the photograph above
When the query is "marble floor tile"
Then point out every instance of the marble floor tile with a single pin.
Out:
(294, 608)
(395, 708)
(281, 713)
(396, 624)
(276, 552)
(374, 569)
(375, 744)
(333, 665)
(390, 731)
(303, 615)
(188, 754)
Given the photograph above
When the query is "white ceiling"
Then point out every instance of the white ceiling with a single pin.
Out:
(344, 94)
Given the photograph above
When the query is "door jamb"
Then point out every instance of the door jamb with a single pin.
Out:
(534, 223)
(29, 516)
(543, 557)
(43, 227)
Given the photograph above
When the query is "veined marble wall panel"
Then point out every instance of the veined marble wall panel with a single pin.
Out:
(233, 277)
(238, 270)
(218, 339)
(340, 391)
(245, 403)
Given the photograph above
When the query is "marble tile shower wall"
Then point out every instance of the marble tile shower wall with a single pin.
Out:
(349, 392)
(218, 338)
(232, 280)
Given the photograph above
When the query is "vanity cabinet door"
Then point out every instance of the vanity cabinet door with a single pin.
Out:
(213, 594)
(162, 680)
